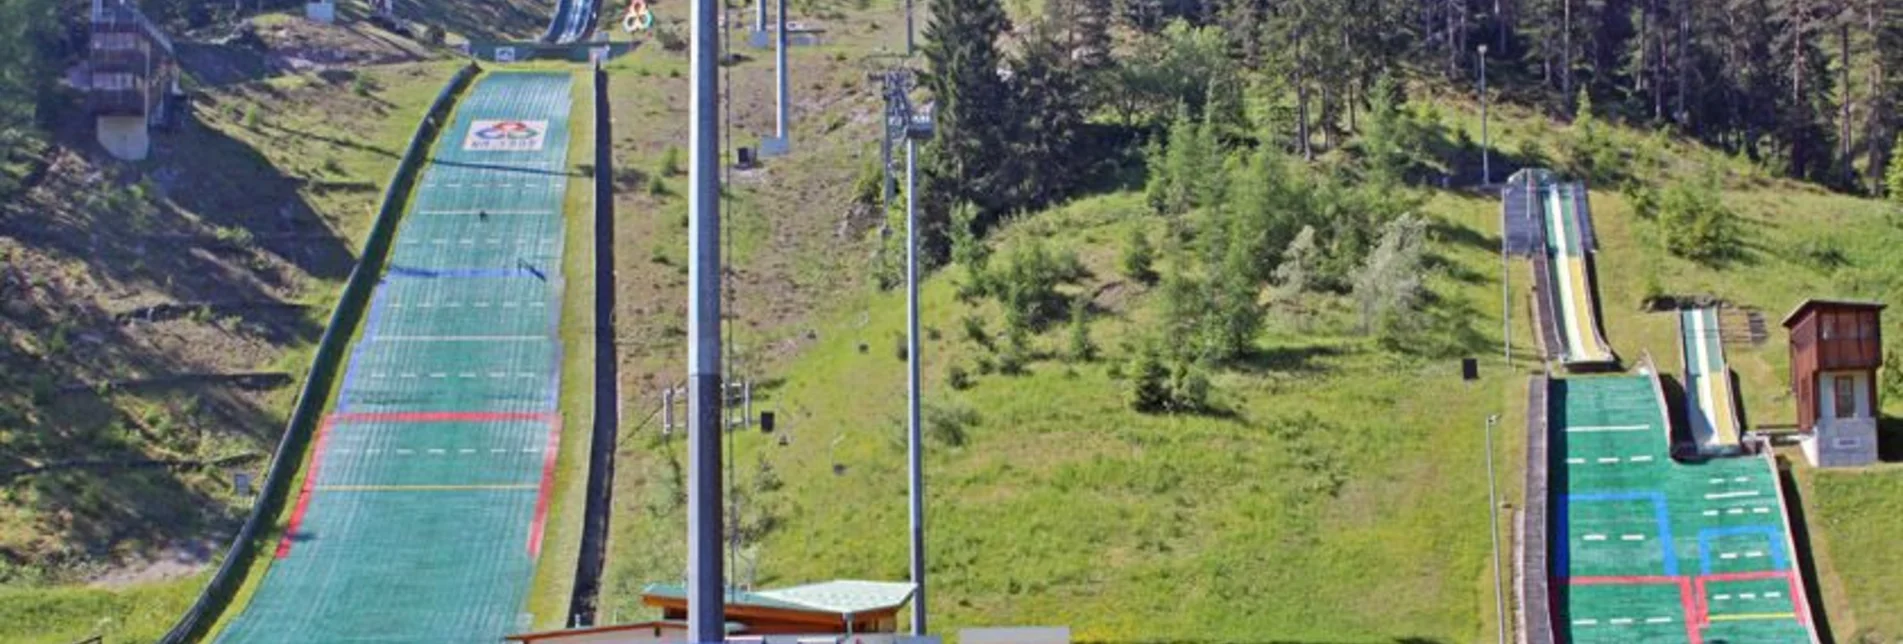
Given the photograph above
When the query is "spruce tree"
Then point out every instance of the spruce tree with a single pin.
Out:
(1893, 182)
(971, 106)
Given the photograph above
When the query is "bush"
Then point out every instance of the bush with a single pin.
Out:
(869, 188)
(948, 423)
(1026, 285)
(1162, 384)
(1139, 257)
(671, 161)
(1015, 355)
(657, 186)
(1696, 225)
(975, 332)
(958, 378)
(1644, 200)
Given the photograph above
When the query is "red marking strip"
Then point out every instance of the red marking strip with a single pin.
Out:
(438, 417)
(1799, 599)
(548, 485)
(1692, 604)
(304, 493)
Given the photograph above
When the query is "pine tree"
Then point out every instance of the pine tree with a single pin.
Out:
(972, 111)
(1893, 181)
(1139, 257)
(1048, 100)
(1081, 348)
(1234, 316)
(1082, 30)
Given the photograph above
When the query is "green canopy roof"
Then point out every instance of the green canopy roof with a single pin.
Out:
(842, 597)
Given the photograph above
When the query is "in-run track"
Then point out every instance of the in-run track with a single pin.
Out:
(420, 518)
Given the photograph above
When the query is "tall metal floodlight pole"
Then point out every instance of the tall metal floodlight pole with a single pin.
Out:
(706, 621)
(779, 60)
(915, 465)
(1493, 530)
(1486, 167)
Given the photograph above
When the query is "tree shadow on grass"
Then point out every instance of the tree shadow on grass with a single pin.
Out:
(1800, 534)
(1297, 359)
(1462, 235)
(231, 228)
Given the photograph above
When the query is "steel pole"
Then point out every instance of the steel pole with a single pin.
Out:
(706, 581)
(759, 15)
(914, 440)
(1486, 152)
(779, 60)
(908, 29)
(1493, 530)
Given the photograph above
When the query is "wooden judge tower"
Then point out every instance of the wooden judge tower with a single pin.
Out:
(134, 75)
(1836, 349)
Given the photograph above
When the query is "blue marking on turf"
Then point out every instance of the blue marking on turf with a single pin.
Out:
(1658, 511)
(520, 269)
(1770, 532)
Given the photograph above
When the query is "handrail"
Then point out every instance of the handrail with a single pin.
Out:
(315, 394)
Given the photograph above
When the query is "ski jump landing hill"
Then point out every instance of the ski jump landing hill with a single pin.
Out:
(1623, 542)
(1548, 220)
(421, 512)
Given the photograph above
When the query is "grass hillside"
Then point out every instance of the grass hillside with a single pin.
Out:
(138, 295)
(1337, 494)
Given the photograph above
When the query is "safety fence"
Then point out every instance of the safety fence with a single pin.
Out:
(607, 409)
(331, 348)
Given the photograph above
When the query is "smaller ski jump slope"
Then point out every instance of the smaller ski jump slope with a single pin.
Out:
(1568, 245)
(1711, 406)
(1648, 549)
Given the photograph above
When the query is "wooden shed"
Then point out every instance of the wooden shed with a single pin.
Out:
(1836, 349)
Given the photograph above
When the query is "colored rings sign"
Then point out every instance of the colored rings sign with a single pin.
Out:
(505, 135)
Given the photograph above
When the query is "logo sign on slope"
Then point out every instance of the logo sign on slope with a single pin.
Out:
(506, 136)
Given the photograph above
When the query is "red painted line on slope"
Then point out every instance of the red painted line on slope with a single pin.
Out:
(304, 493)
(1692, 604)
(438, 416)
(548, 485)
(1799, 599)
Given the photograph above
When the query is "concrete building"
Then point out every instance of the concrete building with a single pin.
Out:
(1836, 349)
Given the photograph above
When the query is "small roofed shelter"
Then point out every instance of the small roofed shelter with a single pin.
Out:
(1836, 349)
(840, 606)
(654, 632)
